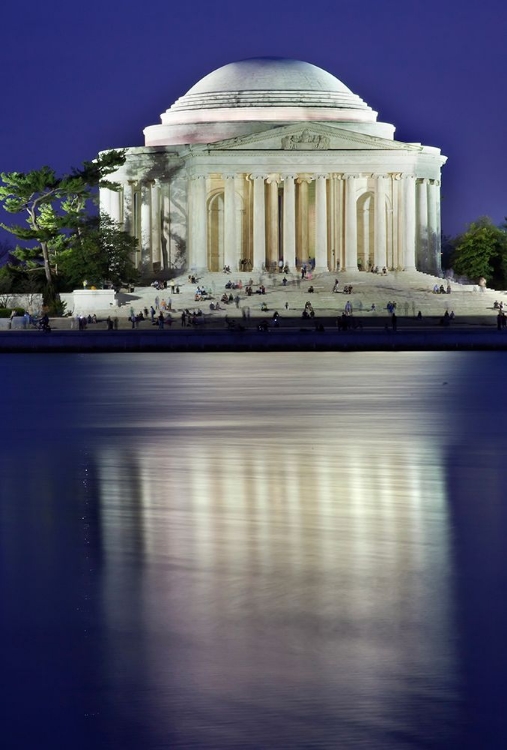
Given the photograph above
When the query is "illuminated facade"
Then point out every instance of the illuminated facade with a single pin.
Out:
(271, 159)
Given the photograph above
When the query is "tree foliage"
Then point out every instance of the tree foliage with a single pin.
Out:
(16, 279)
(101, 252)
(481, 251)
(54, 208)
(5, 252)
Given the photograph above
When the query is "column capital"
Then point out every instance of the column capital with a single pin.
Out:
(422, 180)
(289, 176)
(351, 177)
(408, 177)
(198, 176)
(228, 175)
(305, 177)
(381, 176)
(254, 177)
(272, 178)
(322, 176)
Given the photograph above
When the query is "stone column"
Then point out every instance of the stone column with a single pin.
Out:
(197, 256)
(116, 204)
(273, 220)
(302, 228)
(339, 209)
(350, 224)
(380, 254)
(239, 199)
(434, 245)
(395, 246)
(321, 261)
(129, 220)
(289, 221)
(230, 252)
(423, 262)
(105, 200)
(259, 221)
(331, 222)
(438, 244)
(155, 225)
(146, 261)
(409, 222)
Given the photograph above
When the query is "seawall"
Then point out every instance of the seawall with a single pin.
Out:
(274, 340)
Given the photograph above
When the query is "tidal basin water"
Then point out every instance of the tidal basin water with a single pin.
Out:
(253, 551)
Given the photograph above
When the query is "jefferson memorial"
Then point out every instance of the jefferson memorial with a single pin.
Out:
(268, 160)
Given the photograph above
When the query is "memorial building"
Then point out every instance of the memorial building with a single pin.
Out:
(268, 160)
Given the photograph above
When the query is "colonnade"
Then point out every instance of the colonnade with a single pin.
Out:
(265, 221)
(285, 224)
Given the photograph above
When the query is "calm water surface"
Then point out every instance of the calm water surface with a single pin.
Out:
(253, 551)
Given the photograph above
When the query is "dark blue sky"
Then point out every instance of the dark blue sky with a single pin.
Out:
(81, 77)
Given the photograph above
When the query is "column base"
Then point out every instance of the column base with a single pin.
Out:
(349, 269)
(321, 269)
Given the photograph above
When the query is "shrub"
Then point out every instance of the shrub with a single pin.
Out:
(5, 312)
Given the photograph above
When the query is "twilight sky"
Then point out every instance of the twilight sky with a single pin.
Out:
(82, 77)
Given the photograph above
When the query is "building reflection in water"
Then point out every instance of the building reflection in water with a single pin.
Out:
(254, 551)
(305, 575)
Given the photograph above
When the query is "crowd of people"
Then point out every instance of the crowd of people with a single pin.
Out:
(237, 290)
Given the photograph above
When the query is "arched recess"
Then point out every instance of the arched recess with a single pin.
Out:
(216, 232)
(365, 207)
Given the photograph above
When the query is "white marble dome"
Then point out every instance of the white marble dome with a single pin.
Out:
(266, 83)
(245, 96)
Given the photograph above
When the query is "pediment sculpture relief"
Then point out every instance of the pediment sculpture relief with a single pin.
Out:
(305, 142)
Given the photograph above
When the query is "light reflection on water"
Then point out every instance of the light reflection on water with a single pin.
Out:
(264, 548)
(288, 580)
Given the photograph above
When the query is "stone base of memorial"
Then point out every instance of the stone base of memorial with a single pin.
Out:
(92, 300)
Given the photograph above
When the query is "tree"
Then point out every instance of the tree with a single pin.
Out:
(54, 207)
(447, 250)
(100, 252)
(481, 251)
(5, 252)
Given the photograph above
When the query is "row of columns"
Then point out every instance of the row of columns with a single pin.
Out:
(419, 230)
(198, 248)
(198, 213)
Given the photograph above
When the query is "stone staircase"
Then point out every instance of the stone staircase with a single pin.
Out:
(412, 292)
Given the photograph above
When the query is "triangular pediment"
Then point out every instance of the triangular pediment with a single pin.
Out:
(309, 137)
